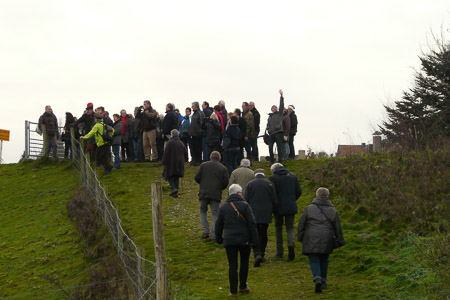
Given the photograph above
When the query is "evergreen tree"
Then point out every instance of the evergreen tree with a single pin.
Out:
(422, 116)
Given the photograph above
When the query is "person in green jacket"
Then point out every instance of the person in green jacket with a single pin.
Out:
(102, 146)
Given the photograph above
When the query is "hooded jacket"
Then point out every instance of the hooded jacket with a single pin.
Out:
(238, 232)
(315, 232)
(288, 191)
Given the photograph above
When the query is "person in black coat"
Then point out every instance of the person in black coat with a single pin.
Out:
(260, 194)
(237, 224)
(319, 230)
(242, 124)
(232, 137)
(170, 121)
(212, 177)
(173, 162)
(257, 118)
(213, 133)
(196, 133)
(288, 191)
(292, 130)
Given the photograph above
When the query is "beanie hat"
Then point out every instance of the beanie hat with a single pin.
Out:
(292, 107)
(90, 106)
(260, 172)
(234, 189)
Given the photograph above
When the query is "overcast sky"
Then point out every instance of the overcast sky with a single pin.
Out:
(337, 61)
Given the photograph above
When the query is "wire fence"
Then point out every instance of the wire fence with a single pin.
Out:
(34, 142)
(140, 271)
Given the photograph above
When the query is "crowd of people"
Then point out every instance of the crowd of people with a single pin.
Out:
(242, 222)
(141, 136)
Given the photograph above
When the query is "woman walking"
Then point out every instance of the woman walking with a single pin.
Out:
(237, 220)
(319, 230)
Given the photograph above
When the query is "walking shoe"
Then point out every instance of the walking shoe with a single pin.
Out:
(174, 193)
(244, 290)
(291, 255)
(232, 295)
(263, 260)
(205, 236)
(324, 285)
(318, 288)
(258, 261)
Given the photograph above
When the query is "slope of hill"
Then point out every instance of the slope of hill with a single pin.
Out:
(38, 241)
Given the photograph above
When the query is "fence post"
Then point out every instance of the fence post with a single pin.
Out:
(73, 146)
(27, 140)
(158, 238)
(44, 136)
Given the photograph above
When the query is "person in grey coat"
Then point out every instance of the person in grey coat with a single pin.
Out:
(212, 177)
(275, 130)
(319, 230)
(288, 191)
(237, 222)
(261, 196)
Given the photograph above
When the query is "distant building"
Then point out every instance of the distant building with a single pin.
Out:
(344, 150)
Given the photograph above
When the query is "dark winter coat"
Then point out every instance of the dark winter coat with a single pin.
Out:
(257, 119)
(196, 123)
(224, 114)
(260, 194)
(275, 120)
(117, 137)
(294, 122)
(242, 124)
(138, 128)
(286, 125)
(288, 191)
(213, 132)
(126, 134)
(315, 232)
(87, 120)
(174, 158)
(207, 112)
(233, 133)
(213, 178)
(238, 232)
(170, 122)
(50, 122)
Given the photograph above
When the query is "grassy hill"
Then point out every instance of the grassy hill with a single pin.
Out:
(37, 240)
(384, 258)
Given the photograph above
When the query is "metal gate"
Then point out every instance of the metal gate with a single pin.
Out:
(34, 142)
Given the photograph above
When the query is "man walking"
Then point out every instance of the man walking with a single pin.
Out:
(260, 194)
(288, 191)
(149, 119)
(48, 119)
(242, 175)
(275, 130)
(212, 177)
(173, 162)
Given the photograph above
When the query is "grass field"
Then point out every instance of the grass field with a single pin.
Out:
(37, 239)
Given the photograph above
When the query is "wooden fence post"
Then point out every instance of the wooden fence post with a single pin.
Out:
(45, 139)
(158, 238)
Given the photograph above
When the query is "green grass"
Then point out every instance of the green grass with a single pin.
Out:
(375, 263)
(36, 236)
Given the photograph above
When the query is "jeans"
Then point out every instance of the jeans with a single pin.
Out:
(260, 249)
(232, 254)
(174, 182)
(204, 217)
(205, 149)
(291, 146)
(276, 138)
(138, 147)
(319, 266)
(116, 150)
(231, 159)
(289, 223)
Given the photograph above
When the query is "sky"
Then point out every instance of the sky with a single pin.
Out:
(338, 62)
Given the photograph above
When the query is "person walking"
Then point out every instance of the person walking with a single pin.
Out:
(275, 130)
(102, 145)
(292, 131)
(117, 140)
(196, 133)
(48, 119)
(173, 162)
(149, 119)
(288, 191)
(260, 194)
(319, 231)
(237, 225)
(212, 178)
(243, 174)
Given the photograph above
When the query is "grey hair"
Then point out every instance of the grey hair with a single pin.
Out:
(275, 166)
(196, 104)
(174, 132)
(234, 189)
(222, 102)
(215, 155)
(322, 192)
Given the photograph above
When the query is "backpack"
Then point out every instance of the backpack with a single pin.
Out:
(107, 135)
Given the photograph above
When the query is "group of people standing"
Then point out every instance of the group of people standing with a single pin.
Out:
(141, 137)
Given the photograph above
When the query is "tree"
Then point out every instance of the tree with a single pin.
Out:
(422, 117)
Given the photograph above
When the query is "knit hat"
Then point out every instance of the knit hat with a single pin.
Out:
(291, 107)
(245, 163)
(234, 189)
(90, 106)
